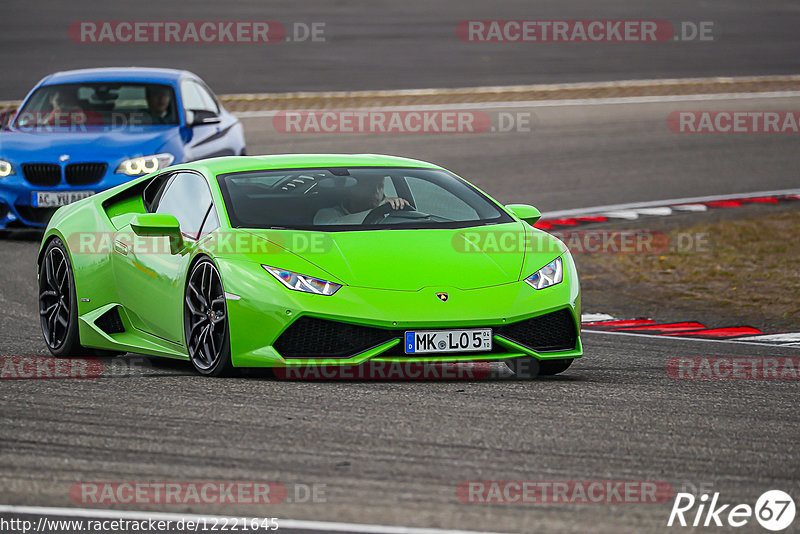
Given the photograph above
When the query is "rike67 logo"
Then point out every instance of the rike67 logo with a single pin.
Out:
(774, 510)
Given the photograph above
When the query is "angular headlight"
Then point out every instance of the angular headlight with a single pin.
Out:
(301, 282)
(5, 168)
(144, 164)
(549, 275)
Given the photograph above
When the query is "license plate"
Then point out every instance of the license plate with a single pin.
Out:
(427, 341)
(54, 199)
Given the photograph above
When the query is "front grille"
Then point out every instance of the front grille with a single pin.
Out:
(308, 337)
(84, 173)
(48, 174)
(110, 322)
(546, 333)
(36, 215)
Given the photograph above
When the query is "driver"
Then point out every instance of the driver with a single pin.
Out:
(364, 197)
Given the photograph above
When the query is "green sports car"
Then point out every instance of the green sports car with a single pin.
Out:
(307, 260)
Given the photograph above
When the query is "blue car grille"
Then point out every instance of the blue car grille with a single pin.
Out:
(84, 173)
(47, 174)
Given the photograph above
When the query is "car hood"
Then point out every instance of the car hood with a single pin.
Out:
(409, 260)
(90, 145)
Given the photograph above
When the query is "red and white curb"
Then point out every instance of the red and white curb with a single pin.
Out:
(660, 208)
(601, 322)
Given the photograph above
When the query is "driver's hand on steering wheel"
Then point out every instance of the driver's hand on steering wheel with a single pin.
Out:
(397, 203)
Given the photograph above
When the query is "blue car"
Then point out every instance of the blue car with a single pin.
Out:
(80, 132)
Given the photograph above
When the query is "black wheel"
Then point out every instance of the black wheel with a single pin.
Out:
(553, 367)
(58, 309)
(206, 321)
(525, 368)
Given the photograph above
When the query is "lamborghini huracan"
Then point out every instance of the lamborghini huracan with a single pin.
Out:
(298, 260)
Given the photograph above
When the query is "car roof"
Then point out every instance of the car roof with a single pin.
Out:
(223, 165)
(129, 74)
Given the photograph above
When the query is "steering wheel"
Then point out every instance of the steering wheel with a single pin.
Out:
(376, 215)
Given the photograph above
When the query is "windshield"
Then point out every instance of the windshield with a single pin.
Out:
(111, 104)
(358, 198)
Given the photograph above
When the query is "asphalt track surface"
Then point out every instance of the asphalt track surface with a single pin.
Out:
(393, 453)
(386, 44)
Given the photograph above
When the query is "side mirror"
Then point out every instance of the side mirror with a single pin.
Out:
(196, 117)
(527, 213)
(159, 225)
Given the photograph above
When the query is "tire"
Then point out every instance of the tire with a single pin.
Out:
(58, 306)
(205, 320)
(524, 367)
(67, 339)
(553, 367)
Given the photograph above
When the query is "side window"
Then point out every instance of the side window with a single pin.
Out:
(196, 98)
(188, 198)
(153, 191)
(211, 223)
(433, 199)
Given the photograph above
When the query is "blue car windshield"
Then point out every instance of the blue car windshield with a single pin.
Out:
(356, 198)
(111, 104)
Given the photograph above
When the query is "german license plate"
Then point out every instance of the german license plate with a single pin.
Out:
(428, 341)
(54, 199)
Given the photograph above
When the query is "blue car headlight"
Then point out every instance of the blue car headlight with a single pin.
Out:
(549, 275)
(5, 168)
(301, 282)
(144, 164)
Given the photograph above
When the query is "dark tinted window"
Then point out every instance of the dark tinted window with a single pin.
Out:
(188, 198)
(355, 199)
(113, 104)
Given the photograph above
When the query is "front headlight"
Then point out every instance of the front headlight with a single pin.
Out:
(144, 164)
(301, 282)
(5, 168)
(549, 275)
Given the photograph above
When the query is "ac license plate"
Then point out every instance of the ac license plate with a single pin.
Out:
(438, 341)
(55, 199)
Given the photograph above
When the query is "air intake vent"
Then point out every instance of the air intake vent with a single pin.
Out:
(110, 322)
(547, 333)
(317, 338)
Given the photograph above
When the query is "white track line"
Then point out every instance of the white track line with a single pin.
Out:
(520, 88)
(736, 341)
(661, 203)
(538, 103)
(290, 524)
(794, 336)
